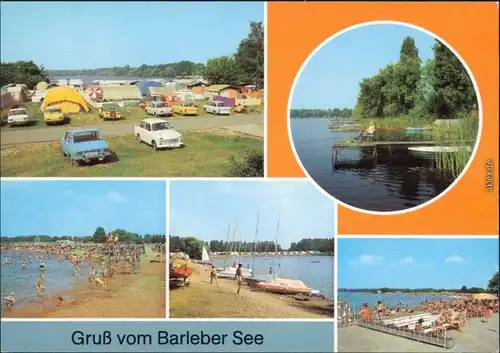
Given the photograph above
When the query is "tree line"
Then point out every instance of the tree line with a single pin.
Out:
(193, 246)
(99, 236)
(439, 88)
(343, 113)
(245, 66)
(170, 70)
(493, 287)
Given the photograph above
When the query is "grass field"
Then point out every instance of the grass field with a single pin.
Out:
(208, 153)
(128, 114)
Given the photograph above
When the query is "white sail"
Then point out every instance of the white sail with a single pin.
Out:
(204, 255)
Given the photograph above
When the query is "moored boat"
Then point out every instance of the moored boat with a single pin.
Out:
(429, 152)
(180, 272)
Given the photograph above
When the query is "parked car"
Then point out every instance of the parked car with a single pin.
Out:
(159, 109)
(109, 111)
(84, 145)
(217, 108)
(17, 116)
(157, 133)
(185, 108)
(53, 115)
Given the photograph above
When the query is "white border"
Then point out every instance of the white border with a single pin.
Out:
(400, 23)
(257, 180)
(167, 237)
(335, 280)
(265, 90)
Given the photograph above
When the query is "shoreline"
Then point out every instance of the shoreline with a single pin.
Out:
(204, 300)
(123, 298)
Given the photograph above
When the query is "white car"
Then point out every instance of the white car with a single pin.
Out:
(217, 108)
(158, 133)
(17, 116)
(159, 109)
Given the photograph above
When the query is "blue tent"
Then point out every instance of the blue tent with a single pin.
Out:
(144, 86)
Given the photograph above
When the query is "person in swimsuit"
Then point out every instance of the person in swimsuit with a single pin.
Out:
(365, 313)
(42, 266)
(40, 288)
(380, 309)
(213, 276)
(239, 277)
(368, 133)
(9, 300)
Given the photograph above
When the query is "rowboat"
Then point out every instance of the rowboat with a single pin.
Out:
(429, 152)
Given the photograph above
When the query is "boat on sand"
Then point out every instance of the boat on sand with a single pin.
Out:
(183, 271)
(284, 286)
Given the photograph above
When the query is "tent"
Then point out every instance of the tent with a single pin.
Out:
(6, 102)
(163, 94)
(19, 93)
(67, 98)
(144, 86)
(122, 92)
(41, 86)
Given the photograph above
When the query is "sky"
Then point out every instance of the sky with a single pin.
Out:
(77, 208)
(78, 35)
(416, 263)
(204, 209)
(331, 77)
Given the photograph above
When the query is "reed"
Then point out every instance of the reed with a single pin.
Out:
(463, 133)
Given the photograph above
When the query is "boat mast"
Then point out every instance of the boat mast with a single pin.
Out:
(234, 235)
(255, 242)
(276, 241)
(227, 245)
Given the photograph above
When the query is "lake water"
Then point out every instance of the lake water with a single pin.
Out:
(58, 276)
(314, 274)
(88, 79)
(387, 185)
(357, 299)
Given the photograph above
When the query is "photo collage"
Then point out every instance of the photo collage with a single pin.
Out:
(249, 175)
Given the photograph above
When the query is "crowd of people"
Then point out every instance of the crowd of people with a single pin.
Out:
(102, 258)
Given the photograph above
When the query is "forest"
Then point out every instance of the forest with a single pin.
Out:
(193, 246)
(439, 88)
(245, 66)
(343, 113)
(99, 236)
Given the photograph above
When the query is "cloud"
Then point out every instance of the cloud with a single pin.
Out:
(454, 258)
(115, 197)
(407, 260)
(368, 260)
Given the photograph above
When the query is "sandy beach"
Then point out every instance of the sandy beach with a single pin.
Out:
(127, 296)
(204, 300)
(478, 336)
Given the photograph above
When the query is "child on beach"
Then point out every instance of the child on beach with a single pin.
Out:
(365, 313)
(213, 275)
(239, 277)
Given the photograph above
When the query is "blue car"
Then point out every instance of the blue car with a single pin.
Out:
(84, 145)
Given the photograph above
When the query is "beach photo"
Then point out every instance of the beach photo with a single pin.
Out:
(250, 249)
(146, 96)
(83, 249)
(384, 117)
(418, 295)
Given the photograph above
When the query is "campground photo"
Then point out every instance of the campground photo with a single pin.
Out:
(134, 101)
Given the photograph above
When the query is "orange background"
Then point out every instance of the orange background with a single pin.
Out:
(294, 30)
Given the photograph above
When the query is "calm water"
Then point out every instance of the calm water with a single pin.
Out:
(317, 276)
(88, 79)
(391, 300)
(401, 183)
(58, 276)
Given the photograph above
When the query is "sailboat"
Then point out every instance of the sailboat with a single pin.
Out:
(230, 271)
(205, 258)
(283, 285)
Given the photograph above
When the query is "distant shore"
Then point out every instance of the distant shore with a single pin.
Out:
(269, 254)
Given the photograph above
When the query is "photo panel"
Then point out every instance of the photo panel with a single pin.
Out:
(418, 294)
(195, 98)
(83, 249)
(390, 111)
(246, 249)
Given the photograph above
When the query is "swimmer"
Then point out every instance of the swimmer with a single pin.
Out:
(60, 301)
(40, 288)
(42, 266)
(9, 300)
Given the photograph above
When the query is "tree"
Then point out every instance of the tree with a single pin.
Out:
(452, 84)
(250, 55)
(494, 282)
(408, 49)
(99, 235)
(464, 289)
(223, 69)
(22, 72)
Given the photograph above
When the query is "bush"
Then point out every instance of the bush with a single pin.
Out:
(251, 166)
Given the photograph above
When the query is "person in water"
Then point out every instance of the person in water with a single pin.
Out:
(213, 276)
(42, 266)
(40, 288)
(239, 277)
(9, 300)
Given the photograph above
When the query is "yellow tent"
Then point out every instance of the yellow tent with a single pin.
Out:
(41, 86)
(66, 98)
(484, 296)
